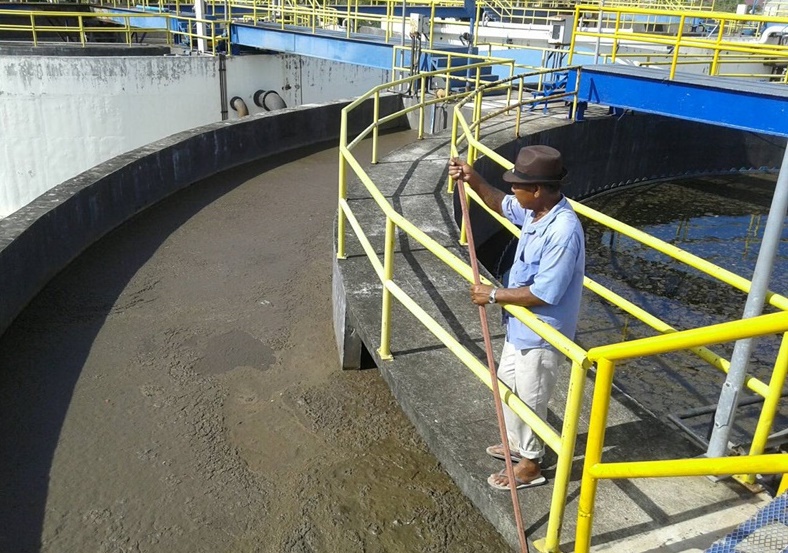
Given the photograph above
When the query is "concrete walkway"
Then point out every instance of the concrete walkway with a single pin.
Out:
(454, 411)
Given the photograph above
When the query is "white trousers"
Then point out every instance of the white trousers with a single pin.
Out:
(531, 374)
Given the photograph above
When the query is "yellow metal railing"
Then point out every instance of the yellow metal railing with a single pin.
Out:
(562, 442)
(771, 392)
(605, 358)
(721, 45)
(73, 27)
(90, 27)
(670, 339)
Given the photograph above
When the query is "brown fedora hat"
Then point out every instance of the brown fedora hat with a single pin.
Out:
(537, 164)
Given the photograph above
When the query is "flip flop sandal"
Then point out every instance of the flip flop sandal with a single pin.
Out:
(496, 452)
(521, 484)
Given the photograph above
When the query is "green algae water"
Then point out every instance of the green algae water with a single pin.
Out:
(720, 219)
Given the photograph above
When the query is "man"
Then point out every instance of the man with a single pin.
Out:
(546, 277)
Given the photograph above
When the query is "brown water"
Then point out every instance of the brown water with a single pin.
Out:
(176, 389)
(720, 219)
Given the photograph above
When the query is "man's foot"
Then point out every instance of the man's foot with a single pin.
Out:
(527, 474)
(496, 451)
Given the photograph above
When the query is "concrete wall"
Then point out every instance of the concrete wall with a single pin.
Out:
(607, 152)
(40, 239)
(298, 80)
(62, 115)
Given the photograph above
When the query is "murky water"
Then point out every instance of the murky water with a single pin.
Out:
(720, 219)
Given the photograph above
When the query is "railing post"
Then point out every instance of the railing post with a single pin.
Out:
(615, 37)
(422, 97)
(33, 29)
(676, 49)
(388, 274)
(375, 117)
(82, 38)
(574, 405)
(342, 187)
(716, 56)
(454, 149)
(509, 89)
(519, 116)
(770, 405)
(603, 385)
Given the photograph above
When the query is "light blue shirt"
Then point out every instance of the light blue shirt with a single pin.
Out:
(550, 258)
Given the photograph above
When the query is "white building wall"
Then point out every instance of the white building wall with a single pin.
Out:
(60, 116)
(298, 80)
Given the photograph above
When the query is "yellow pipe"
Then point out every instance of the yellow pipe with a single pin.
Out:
(366, 245)
(542, 429)
(772, 401)
(676, 48)
(563, 470)
(519, 114)
(776, 463)
(388, 274)
(342, 188)
(558, 340)
(33, 29)
(455, 152)
(716, 56)
(376, 117)
(660, 326)
(723, 275)
(596, 438)
(423, 85)
(714, 334)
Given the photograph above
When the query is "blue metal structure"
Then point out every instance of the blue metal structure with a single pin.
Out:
(766, 532)
(369, 51)
(736, 103)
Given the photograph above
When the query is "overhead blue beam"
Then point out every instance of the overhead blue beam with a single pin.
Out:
(330, 45)
(736, 103)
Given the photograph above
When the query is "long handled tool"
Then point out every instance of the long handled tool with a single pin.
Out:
(493, 373)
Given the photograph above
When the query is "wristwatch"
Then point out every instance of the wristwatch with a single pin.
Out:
(492, 295)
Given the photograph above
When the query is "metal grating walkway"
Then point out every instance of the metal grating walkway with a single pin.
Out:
(766, 532)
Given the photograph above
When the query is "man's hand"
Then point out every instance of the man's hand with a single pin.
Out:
(460, 170)
(480, 294)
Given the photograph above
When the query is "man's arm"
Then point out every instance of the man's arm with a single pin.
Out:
(480, 295)
(460, 170)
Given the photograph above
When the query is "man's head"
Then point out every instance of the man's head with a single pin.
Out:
(537, 175)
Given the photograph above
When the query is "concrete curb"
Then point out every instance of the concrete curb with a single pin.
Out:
(40, 239)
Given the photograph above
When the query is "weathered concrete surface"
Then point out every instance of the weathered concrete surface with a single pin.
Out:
(40, 239)
(453, 410)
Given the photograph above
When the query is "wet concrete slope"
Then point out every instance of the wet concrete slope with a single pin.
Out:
(176, 388)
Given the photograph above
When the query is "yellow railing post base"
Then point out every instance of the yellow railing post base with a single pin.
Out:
(541, 546)
(385, 356)
(341, 256)
(748, 481)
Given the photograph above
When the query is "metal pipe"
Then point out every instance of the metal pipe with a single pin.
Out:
(729, 397)
(239, 106)
(518, 517)
(223, 86)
